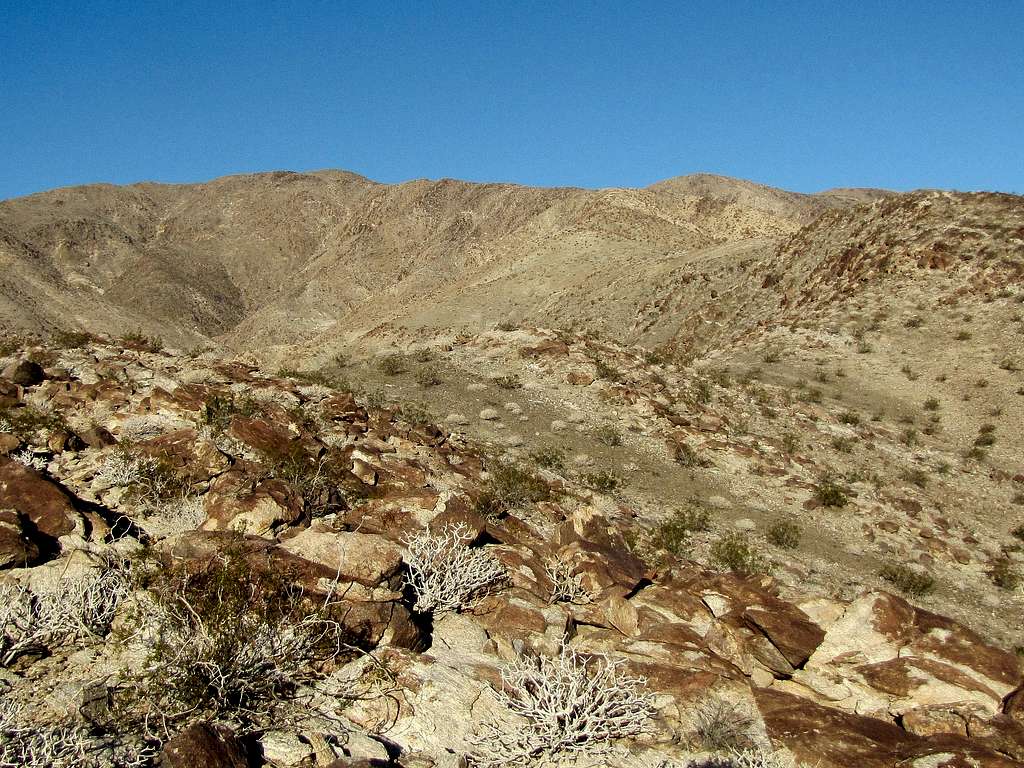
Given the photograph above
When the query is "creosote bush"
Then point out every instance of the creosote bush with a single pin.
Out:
(234, 640)
(718, 724)
(393, 365)
(907, 580)
(674, 534)
(510, 487)
(508, 381)
(140, 342)
(784, 534)
(608, 435)
(735, 553)
(602, 482)
(830, 492)
(570, 705)
(549, 458)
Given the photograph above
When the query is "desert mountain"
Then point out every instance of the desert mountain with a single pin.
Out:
(278, 257)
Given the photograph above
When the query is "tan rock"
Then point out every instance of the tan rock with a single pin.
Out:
(365, 558)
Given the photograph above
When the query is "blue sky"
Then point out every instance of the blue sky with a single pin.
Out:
(802, 95)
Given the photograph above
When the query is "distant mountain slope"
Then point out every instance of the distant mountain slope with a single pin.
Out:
(278, 257)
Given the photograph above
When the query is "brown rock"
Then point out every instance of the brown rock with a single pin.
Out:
(16, 547)
(25, 373)
(8, 443)
(257, 512)
(365, 558)
(204, 746)
(10, 394)
(795, 635)
(98, 437)
(580, 378)
(49, 508)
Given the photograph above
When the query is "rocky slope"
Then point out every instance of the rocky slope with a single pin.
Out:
(274, 258)
(412, 595)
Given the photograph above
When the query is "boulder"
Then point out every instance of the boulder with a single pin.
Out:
(365, 558)
(204, 746)
(24, 373)
(49, 508)
(16, 547)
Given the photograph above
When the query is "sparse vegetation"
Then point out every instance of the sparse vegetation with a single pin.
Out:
(784, 534)
(140, 342)
(931, 404)
(602, 482)
(510, 487)
(908, 580)
(673, 535)
(508, 381)
(830, 492)
(549, 458)
(736, 553)
(393, 365)
(608, 435)
(1004, 573)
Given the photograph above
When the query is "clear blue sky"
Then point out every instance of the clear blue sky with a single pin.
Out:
(802, 95)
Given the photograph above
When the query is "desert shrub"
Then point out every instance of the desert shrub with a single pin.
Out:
(1004, 574)
(234, 641)
(811, 395)
(963, 336)
(445, 573)
(27, 421)
(571, 705)
(850, 417)
(608, 435)
(70, 339)
(606, 372)
(931, 404)
(510, 487)
(549, 458)
(507, 326)
(842, 444)
(916, 476)
(417, 414)
(27, 743)
(30, 460)
(913, 322)
(319, 378)
(748, 758)
(702, 391)
(673, 534)
(909, 372)
(821, 376)
(772, 355)
(981, 383)
(566, 583)
(784, 534)
(140, 342)
(975, 453)
(718, 724)
(830, 492)
(735, 553)
(909, 437)
(150, 479)
(218, 410)
(907, 580)
(393, 365)
(1009, 364)
(985, 439)
(508, 381)
(1018, 532)
(864, 347)
(790, 442)
(602, 482)
(76, 608)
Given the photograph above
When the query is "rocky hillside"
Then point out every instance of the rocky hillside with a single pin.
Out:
(205, 563)
(259, 260)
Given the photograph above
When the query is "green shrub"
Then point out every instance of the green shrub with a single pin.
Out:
(733, 552)
(602, 482)
(686, 455)
(608, 435)
(916, 476)
(784, 534)
(69, 339)
(428, 376)
(907, 580)
(913, 322)
(673, 535)
(830, 492)
(393, 365)
(931, 404)
(549, 458)
(606, 372)
(218, 410)
(850, 417)
(510, 487)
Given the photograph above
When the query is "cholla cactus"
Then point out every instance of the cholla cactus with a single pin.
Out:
(26, 745)
(446, 573)
(565, 706)
(566, 586)
(5, 427)
(30, 460)
(749, 758)
(74, 609)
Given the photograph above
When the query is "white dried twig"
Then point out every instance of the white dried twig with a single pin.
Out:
(30, 460)
(566, 585)
(446, 573)
(167, 518)
(568, 705)
(74, 609)
(6, 427)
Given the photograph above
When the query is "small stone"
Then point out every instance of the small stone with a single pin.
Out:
(489, 414)
(582, 460)
(558, 425)
(457, 419)
(513, 408)
(745, 524)
(476, 386)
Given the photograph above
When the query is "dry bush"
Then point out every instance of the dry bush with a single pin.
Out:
(75, 608)
(569, 705)
(566, 583)
(446, 573)
(718, 724)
